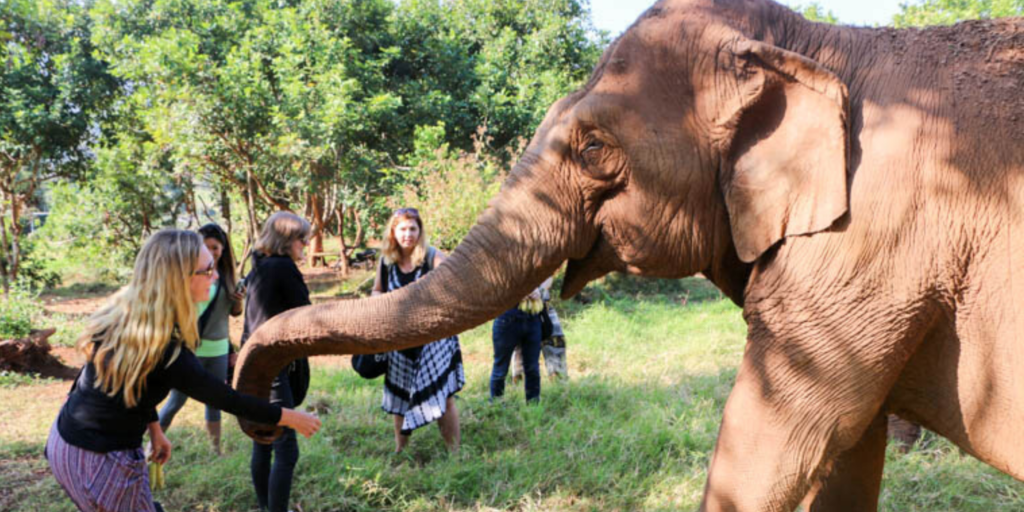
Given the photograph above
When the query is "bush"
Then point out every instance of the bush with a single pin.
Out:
(35, 271)
(18, 312)
(453, 188)
(80, 239)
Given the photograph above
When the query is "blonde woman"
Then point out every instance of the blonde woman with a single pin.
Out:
(275, 285)
(138, 347)
(214, 349)
(421, 382)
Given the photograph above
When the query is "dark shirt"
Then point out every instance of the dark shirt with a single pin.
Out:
(92, 420)
(274, 286)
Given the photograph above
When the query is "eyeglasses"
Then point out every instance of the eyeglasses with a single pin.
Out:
(208, 272)
(412, 212)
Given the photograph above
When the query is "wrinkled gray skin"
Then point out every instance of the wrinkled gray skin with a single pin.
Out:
(857, 191)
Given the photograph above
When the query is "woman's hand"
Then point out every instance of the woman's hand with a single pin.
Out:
(303, 423)
(238, 296)
(160, 446)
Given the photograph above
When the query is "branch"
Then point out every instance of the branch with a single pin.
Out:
(266, 195)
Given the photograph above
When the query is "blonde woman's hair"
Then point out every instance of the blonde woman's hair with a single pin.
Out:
(392, 251)
(126, 339)
(279, 231)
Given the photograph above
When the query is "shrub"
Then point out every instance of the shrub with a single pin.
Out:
(453, 188)
(18, 311)
(80, 239)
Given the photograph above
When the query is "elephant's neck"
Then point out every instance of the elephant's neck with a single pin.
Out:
(842, 50)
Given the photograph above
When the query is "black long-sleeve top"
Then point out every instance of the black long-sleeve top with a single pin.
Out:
(274, 286)
(92, 420)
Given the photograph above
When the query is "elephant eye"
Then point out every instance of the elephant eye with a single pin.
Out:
(594, 145)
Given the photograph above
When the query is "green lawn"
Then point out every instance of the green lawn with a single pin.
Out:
(633, 429)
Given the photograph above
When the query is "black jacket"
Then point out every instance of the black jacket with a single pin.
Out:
(274, 286)
(92, 420)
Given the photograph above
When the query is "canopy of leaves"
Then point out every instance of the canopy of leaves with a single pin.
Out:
(815, 12)
(948, 12)
(52, 87)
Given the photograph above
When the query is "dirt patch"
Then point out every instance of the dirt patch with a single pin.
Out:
(77, 306)
(69, 356)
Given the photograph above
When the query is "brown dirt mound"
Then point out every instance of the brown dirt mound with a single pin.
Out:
(32, 355)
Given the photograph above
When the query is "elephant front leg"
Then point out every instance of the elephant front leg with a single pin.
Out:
(854, 482)
(783, 425)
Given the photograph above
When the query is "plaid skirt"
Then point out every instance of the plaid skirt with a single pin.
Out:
(418, 389)
(115, 481)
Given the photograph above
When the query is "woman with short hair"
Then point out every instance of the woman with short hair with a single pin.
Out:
(274, 286)
(137, 347)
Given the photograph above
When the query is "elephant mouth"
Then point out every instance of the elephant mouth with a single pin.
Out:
(601, 260)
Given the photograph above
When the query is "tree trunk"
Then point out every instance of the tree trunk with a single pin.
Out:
(343, 265)
(4, 250)
(360, 228)
(225, 209)
(250, 205)
(15, 248)
(315, 208)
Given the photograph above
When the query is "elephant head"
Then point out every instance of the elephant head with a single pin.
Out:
(692, 148)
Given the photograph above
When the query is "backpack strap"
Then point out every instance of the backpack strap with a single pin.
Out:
(382, 275)
(204, 319)
(428, 261)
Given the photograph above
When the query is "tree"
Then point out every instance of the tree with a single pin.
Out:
(277, 102)
(52, 91)
(815, 12)
(948, 12)
(312, 106)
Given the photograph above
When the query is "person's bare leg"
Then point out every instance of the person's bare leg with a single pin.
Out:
(213, 430)
(449, 426)
(400, 440)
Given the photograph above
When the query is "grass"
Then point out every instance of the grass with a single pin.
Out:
(632, 429)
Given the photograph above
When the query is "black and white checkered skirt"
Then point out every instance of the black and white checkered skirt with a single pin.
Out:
(418, 389)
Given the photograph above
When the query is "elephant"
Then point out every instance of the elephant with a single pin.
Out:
(854, 190)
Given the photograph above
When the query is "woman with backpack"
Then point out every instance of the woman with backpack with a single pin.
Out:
(421, 382)
(274, 286)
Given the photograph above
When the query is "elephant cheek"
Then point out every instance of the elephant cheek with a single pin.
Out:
(601, 260)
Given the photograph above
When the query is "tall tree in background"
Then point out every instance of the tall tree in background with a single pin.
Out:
(278, 103)
(948, 12)
(815, 12)
(51, 91)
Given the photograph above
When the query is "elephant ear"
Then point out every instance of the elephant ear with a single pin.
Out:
(784, 171)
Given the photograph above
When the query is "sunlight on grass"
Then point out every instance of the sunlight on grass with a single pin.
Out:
(633, 429)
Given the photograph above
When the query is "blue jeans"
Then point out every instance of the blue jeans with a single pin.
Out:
(272, 466)
(216, 366)
(516, 328)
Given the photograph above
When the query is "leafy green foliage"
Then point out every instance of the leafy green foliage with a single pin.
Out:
(454, 186)
(83, 236)
(10, 380)
(18, 313)
(948, 12)
(815, 12)
(51, 90)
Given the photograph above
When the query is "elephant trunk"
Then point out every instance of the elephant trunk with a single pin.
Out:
(520, 240)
